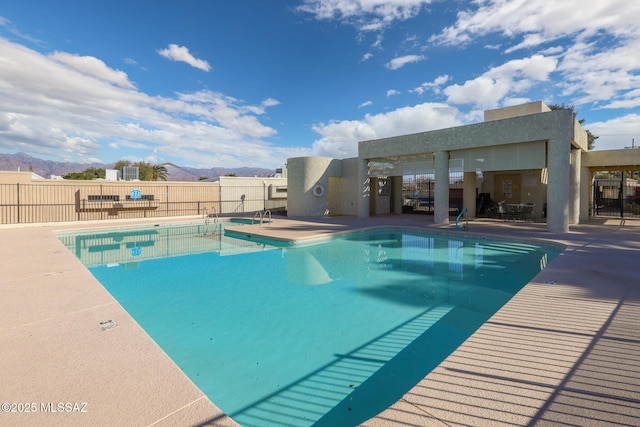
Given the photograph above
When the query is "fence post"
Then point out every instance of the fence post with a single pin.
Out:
(101, 203)
(166, 203)
(621, 194)
(18, 192)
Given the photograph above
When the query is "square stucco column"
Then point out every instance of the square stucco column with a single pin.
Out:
(559, 165)
(363, 190)
(469, 194)
(441, 199)
(586, 186)
(396, 193)
(574, 184)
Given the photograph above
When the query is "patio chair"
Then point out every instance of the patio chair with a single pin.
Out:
(527, 211)
(510, 212)
(501, 210)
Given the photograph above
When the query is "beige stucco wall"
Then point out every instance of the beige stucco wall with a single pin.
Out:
(343, 197)
(536, 127)
(307, 184)
(515, 111)
(250, 194)
(15, 177)
(611, 159)
(580, 139)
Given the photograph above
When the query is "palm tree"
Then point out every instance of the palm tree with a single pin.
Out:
(159, 173)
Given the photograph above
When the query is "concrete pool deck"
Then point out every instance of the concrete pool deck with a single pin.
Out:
(564, 351)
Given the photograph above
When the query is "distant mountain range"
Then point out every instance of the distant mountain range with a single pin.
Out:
(46, 168)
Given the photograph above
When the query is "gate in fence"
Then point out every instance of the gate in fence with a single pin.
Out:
(617, 196)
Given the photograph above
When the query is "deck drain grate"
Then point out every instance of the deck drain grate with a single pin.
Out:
(107, 324)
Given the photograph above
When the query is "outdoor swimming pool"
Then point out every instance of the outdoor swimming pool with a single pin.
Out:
(327, 334)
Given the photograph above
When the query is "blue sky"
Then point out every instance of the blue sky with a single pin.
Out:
(253, 82)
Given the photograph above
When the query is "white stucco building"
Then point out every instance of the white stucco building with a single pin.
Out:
(525, 154)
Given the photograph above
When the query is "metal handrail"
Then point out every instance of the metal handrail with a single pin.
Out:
(261, 216)
(207, 215)
(463, 212)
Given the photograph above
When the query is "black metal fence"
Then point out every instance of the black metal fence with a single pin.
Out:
(418, 192)
(616, 197)
(36, 203)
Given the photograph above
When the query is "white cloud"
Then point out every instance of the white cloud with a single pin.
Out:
(434, 85)
(616, 133)
(365, 104)
(543, 21)
(131, 61)
(392, 92)
(262, 108)
(508, 102)
(554, 50)
(182, 54)
(401, 61)
(366, 15)
(596, 43)
(71, 107)
(630, 99)
(4, 22)
(606, 75)
(378, 41)
(93, 67)
(513, 77)
(340, 138)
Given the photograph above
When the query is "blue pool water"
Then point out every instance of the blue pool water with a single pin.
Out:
(327, 334)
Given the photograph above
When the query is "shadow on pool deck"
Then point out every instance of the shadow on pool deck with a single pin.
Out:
(564, 350)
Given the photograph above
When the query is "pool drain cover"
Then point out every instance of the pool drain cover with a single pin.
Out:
(107, 324)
